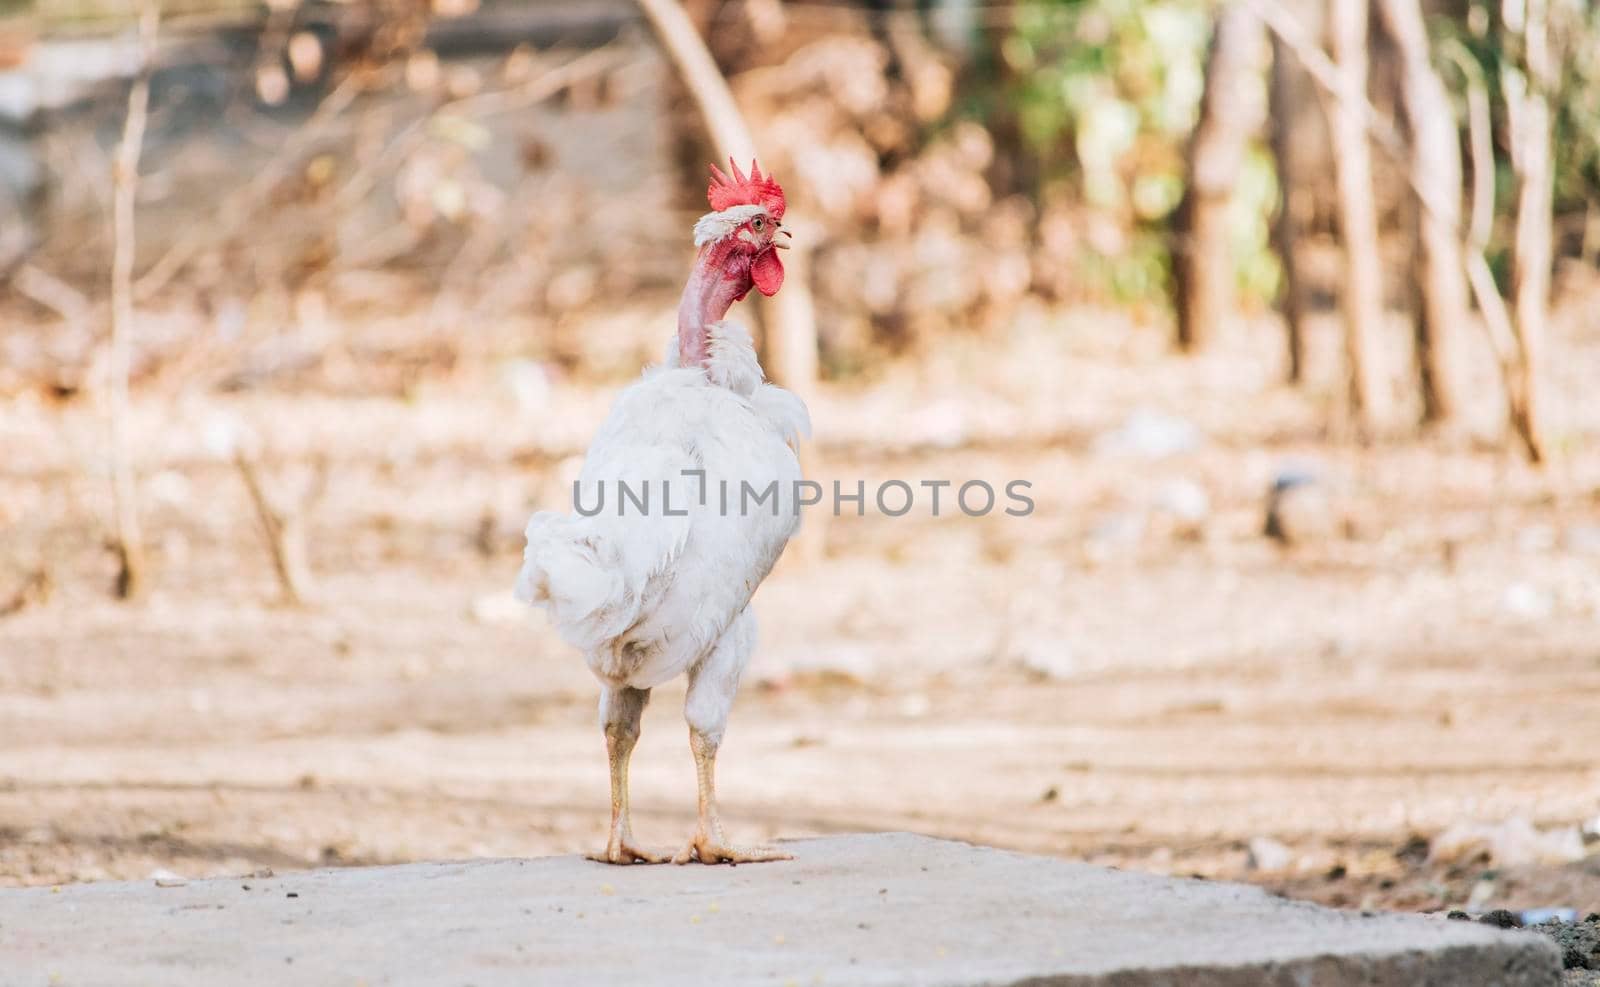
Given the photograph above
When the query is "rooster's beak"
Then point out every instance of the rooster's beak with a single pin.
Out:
(780, 244)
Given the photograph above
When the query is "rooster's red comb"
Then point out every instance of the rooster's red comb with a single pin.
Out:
(755, 190)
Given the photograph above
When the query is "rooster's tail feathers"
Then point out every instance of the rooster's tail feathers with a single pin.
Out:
(562, 571)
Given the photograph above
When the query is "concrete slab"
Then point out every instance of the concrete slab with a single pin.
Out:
(883, 909)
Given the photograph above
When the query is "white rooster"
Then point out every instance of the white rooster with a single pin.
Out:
(657, 582)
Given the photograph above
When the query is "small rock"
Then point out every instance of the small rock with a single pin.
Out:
(1047, 659)
(1527, 601)
(1511, 843)
(1300, 509)
(1267, 854)
(1188, 506)
(167, 879)
(1185, 500)
(1579, 942)
(1149, 434)
(1536, 916)
(1590, 831)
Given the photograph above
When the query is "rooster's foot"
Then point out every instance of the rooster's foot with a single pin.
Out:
(621, 850)
(708, 851)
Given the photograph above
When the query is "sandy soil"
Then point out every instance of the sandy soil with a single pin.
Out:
(1123, 676)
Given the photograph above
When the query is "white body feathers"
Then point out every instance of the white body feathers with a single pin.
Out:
(646, 594)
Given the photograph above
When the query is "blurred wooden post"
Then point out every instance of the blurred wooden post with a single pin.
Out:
(1434, 158)
(129, 540)
(1528, 111)
(1496, 316)
(1203, 272)
(1295, 197)
(1362, 295)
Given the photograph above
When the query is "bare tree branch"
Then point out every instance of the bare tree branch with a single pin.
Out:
(1362, 295)
(1325, 74)
(1496, 317)
(53, 293)
(244, 202)
(129, 541)
(1528, 110)
(283, 527)
(535, 90)
(1295, 205)
(1434, 161)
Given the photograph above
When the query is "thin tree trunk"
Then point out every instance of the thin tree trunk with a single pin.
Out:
(284, 528)
(1295, 206)
(129, 540)
(1203, 274)
(1358, 216)
(1528, 111)
(789, 318)
(1491, 306)
(1434, 160)
(1518, 352)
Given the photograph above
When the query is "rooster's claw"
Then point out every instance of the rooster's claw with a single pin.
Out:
(622, 851)
(707, 852)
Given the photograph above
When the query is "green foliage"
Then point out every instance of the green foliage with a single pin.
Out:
(1105, 94)
(1255, 199)
(1475, 50)
(1098, 81)
(1577, 105)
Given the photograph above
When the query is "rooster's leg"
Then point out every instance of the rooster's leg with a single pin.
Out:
(712, 685)
(620, 712)
(710, 845)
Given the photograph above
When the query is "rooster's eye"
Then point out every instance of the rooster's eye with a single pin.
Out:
(757, 223)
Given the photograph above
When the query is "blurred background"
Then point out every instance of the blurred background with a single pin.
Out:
(1286, 309)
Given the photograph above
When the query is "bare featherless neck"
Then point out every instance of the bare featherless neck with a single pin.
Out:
(736, 254)
(721, 277)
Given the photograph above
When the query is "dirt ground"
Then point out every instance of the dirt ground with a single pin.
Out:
(1133, 674)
